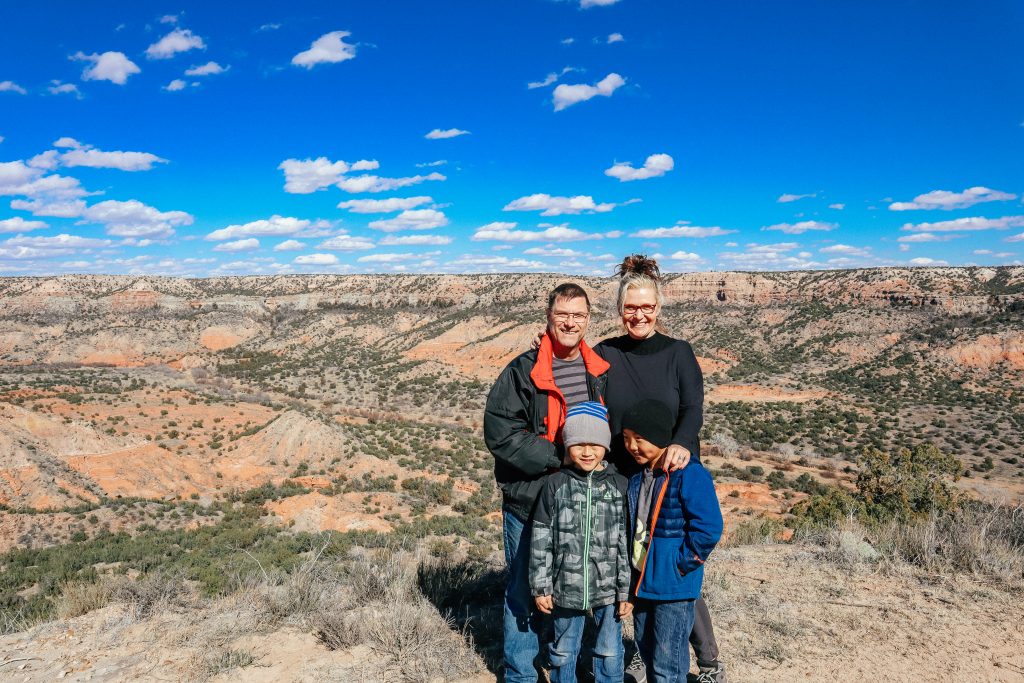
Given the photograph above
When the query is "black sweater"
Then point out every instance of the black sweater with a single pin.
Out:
(661, 368)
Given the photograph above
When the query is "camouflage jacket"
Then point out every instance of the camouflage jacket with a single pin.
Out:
(579, 544)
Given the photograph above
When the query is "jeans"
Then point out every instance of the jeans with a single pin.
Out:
(608, 654)
(662, 635)
(521, 624)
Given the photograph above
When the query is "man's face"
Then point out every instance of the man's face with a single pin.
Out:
(567, 321)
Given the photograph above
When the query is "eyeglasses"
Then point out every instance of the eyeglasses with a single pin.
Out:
(569, 317)
(646, 309)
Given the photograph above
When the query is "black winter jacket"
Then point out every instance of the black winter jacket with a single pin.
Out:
(523, 423)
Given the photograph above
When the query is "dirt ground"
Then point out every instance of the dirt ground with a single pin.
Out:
(782, 613)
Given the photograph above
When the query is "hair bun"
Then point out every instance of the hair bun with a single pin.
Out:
(639, 264)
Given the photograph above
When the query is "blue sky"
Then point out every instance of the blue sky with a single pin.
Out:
(537, 135)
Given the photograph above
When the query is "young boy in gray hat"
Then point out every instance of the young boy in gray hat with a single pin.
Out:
(579, 562)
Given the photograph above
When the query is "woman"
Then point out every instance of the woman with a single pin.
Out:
(646, 363)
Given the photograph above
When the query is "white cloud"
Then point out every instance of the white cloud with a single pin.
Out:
(615, 38)
(430, 164)
(275, 226)
(412, 219)
(372, 183)
(570, 41)
(567, 95)
(557, 206)
(1019, 237)
(346, 243)
(290, 245)
(387, 258)
(972, 223)
(925, 261)
(67, 143)
(47, 160)
(135, 219)
(316, 260)
(109, 66)
(310, 175)
(585, 4)
(252, 267)
(169, 19)
(178, 40)
(57, 209)
(329, 48)
(438, 134)
(208, 69)
(19, 224)
(383, 205)
(686, 257)
(11, 86)
(927, 237)
(837, 207)
(682, 229)
(655, 165)
(551, 250)
(506, 232)
(175, 85)
(20, 179)
(269, 27)
(58, 242)
(768, 257)
(550, 78)
(239, 245)
(946, 200)
(801, 227)
(904, 247)
(58, 88)
(495, 263)
(415, 240)
(786, 198)
(847, 250)
(124, 161)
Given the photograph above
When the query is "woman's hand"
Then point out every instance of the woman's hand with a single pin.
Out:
(676, 458)
(535, 344)
(545, 603)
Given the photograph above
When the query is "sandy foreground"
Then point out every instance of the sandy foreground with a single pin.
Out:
(782, 613)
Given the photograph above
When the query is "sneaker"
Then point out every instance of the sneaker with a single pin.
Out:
(636, 672)
(714, 674)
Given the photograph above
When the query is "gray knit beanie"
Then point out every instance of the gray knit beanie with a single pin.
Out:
(587, 423)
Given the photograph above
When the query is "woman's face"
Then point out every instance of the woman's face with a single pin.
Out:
(640, 312)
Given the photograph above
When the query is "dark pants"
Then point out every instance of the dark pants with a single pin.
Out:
(662, 631)
(703, 635)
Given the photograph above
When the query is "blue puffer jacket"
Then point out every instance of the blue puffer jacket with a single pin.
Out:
(687, 526)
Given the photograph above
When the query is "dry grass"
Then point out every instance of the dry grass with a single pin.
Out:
(77, 599)
(984, 541)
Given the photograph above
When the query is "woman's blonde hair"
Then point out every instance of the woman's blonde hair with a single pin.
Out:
(636, 270)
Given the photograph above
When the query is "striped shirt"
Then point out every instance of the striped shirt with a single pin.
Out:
(571, 379)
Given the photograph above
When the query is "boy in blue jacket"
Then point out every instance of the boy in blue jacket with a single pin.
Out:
(676, 522)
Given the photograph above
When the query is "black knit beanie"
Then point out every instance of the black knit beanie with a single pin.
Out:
(652, 420)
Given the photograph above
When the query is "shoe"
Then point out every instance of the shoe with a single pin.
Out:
(714, 674)
(636, 672)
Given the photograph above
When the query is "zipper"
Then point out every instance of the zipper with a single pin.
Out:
(586, 543)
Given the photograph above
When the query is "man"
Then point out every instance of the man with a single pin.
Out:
(523, 430)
